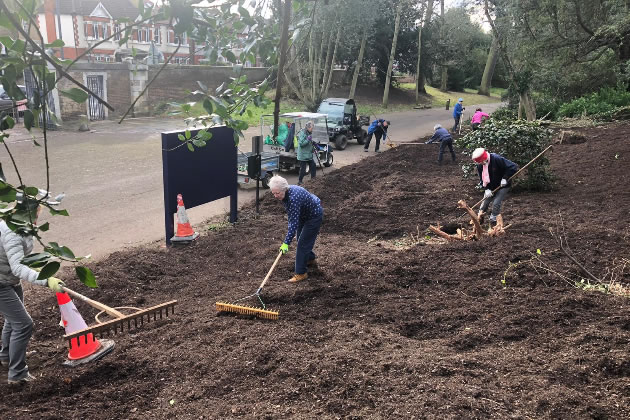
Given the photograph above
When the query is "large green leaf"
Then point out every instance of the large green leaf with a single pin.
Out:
(86, 276)
(76, 94)
(49, 270)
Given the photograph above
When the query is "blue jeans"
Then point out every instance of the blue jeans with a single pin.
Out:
(443, 145)
(313, 167)
(17, 330)
(496, 200)
(306, 235)
(457, 118)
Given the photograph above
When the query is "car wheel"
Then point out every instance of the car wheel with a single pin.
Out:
(362, 137)
(341, 142)
(329, 160)
(266, 179)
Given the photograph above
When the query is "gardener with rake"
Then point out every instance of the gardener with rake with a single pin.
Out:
(442, 136)
(305, 214)
(18, 325)
(494, 172)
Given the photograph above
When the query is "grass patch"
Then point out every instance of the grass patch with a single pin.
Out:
(439, 98)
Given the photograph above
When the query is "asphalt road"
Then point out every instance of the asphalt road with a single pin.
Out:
(112, 177)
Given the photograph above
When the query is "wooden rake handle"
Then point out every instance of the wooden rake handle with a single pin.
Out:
(269, 273)
(100, 306)
(517, 172)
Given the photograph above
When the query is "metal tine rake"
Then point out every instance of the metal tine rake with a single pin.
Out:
(252, 310)
(121, 322)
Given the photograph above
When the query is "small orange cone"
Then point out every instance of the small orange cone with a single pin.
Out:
(87, 349)
(185, 232)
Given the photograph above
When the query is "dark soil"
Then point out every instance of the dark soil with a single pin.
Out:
(380, 329)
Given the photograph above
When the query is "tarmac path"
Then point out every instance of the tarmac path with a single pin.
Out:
(112, 176)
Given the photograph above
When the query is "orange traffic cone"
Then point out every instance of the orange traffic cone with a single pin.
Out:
(185, 232)
(87, 349)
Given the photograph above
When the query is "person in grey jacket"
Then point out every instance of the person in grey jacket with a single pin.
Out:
(305, 151)
(18, 325)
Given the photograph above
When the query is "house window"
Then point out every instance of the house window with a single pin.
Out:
(174, 39)
(156, 35)
(181, 60)
(117, 34)
(96, 30)
(142, 35)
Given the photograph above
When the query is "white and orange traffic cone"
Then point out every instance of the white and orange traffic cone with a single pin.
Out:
(185, 232)
(89, 348)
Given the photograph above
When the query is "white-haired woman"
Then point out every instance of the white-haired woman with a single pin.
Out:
(443, 136)
(305, 151)
(305, 214)
(18, 325)
(494, 171)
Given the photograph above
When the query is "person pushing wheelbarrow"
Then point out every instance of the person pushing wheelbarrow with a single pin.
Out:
(305, 214)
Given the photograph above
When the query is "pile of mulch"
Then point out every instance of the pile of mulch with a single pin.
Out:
(392, 322)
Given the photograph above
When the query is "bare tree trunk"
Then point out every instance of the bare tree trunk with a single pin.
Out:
(525, 96)
(418, 76)
(420, 79)
(326, 66)
(444, 77)
(284, 40)
(488, 71)
(311, 57)
(357, 69)
(391, 55)
(317, 70)
(332, 63)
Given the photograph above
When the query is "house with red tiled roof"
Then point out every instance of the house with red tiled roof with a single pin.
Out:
(83, 23)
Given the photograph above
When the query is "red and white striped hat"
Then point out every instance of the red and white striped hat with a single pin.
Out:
(480, 155)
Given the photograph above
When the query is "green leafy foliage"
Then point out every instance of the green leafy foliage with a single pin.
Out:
(86, 276)
(604, 101)
(519, 141)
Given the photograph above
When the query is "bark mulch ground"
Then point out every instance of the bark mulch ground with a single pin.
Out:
(388, 324)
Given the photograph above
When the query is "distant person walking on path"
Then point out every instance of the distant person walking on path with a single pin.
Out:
(305, 214)
(305, 151)
(18, 325)
(378, 128)
(478, 117)
(494, 171)
(444, 137)
(457, 113)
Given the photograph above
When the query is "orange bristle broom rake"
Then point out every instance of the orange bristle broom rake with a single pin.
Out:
(120, 320)
(252, 310)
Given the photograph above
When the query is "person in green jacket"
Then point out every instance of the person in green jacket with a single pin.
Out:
(305, 151)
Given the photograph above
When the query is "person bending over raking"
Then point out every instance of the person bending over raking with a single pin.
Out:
(494, 171)
(305, 214)
(442, 136)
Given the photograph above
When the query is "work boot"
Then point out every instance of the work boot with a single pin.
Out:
(493, 220)
(298, 277)
(377, 151)
(365, 150)
(27, 378)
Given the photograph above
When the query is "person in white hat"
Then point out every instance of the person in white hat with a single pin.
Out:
(18, 325)
(457, 113)
(494, 171)
(305, 214)
(442, 136)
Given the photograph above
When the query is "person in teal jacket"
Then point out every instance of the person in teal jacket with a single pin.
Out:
(305, 151)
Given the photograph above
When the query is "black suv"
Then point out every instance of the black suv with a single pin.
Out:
(343, 122)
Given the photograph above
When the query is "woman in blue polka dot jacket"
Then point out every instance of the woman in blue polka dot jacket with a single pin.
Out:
(305, 215)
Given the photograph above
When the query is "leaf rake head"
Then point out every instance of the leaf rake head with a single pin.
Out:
(247, 310)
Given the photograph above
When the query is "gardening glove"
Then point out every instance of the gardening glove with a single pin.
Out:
(503, 182)
(310, 138)
(487, 194)
(284, 248)
(55, 284)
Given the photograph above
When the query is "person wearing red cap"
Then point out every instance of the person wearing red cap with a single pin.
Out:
(494, 171)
